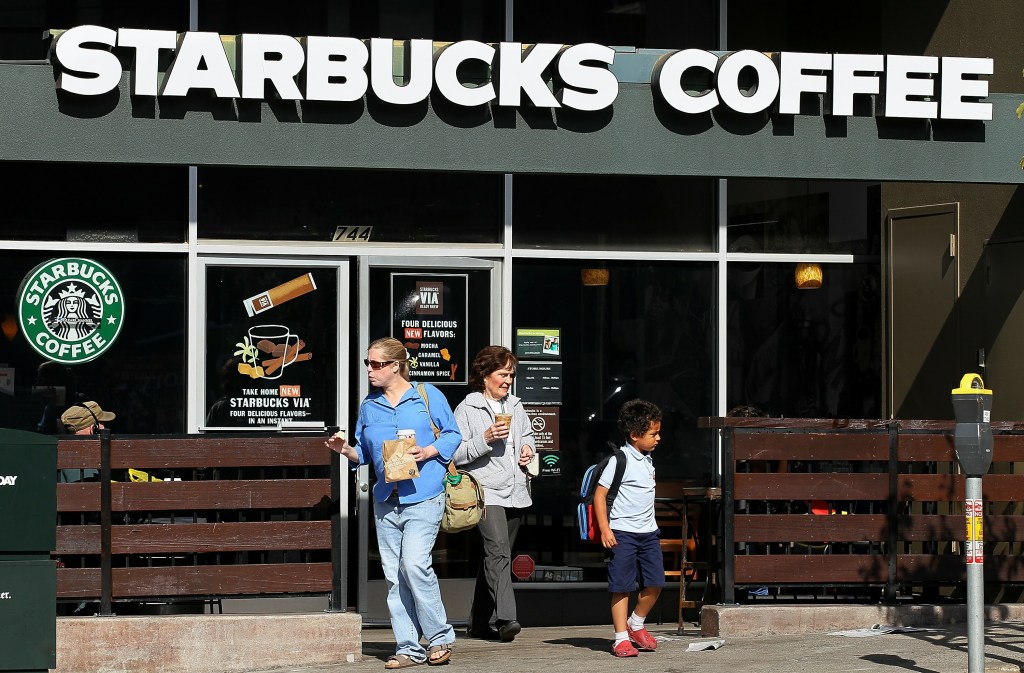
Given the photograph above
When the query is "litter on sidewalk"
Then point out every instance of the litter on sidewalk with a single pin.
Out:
(877, 630)
(705, 645)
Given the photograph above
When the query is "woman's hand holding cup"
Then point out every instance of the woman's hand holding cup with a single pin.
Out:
(500, 429)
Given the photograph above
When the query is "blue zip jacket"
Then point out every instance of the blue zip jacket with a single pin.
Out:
(378, 421)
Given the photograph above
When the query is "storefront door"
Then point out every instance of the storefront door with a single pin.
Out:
(444, 310)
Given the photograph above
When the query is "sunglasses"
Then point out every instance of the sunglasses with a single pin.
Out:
(376, 364)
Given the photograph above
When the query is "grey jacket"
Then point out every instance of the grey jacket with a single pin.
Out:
(494, 465)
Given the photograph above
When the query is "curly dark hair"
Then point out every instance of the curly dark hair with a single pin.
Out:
(636, 416)
(489, 360)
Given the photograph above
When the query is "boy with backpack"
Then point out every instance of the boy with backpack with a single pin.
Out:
(629, 531)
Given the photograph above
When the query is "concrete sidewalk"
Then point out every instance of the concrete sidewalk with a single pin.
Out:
(940, 649)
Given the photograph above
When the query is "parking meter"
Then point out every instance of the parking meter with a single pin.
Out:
(972, 405)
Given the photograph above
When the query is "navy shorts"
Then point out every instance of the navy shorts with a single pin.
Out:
(635, 558)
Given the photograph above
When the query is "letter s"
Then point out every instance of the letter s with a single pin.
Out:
(599, 85)
(71, 55)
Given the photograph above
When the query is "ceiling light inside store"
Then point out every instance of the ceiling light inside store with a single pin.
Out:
(10, 327)
(808, 276)
(594, 277)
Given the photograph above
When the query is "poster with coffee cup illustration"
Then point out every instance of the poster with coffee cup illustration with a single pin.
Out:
(271, 346)
(429, 317)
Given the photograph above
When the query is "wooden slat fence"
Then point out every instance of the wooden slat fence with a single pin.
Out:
(235, 516)
(860, 503)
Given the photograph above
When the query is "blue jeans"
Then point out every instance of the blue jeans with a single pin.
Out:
(405, 538)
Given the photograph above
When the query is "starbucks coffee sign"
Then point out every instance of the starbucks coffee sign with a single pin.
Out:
(512, 74)
(70, 309)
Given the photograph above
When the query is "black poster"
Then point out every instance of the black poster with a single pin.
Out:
(430, 319)
(271, 347)
(539, 382)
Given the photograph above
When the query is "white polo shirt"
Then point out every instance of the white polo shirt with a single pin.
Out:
(633, 509)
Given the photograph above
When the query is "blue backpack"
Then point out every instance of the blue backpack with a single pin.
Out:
(585, 518)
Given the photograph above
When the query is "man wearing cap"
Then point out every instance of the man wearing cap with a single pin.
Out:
(86, 418)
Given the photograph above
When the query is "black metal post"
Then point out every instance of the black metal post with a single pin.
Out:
(106, 500)
(337, 561)
(727, 553)
(891, 515)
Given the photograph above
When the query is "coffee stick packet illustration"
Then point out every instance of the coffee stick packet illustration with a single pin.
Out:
(275, 296)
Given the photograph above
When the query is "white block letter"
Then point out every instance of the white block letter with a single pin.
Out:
(147, 45)
(762, 93)
(351, 67)
(793, 81)
(520, 71)
(668, 74)
(598, 84)
(418, 71)
(254, 68)
(846, 82)
(446, 76)
(73, 56)
(196, 49)
(899, 87)
(954, 88)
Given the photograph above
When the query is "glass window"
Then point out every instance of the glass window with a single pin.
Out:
(648, 332)
(613, 212)
(95, 202)
(141, 377)
(794, 25)
(798, 216)
(443, 20)
(467, 292)
(805, 353)
(636, 23)
(311, 205)
(24, 22)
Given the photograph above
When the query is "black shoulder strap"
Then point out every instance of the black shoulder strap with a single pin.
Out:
(620, 469)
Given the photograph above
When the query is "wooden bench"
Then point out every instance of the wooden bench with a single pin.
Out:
(897, 484)
(249, 516)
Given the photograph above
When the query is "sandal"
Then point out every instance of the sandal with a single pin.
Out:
(439, 654)
(400, 661)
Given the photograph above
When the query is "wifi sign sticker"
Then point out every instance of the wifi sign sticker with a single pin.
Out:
(550, 464)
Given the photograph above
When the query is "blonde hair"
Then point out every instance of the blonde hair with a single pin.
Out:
(393, 351)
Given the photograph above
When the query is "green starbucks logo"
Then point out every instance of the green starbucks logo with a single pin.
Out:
(70, 310)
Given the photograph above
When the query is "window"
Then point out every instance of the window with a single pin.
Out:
(94, 203)
(141, 378)
(613, 212)
(648, 333)
(805, 353)
(311, 205)
(799, 216)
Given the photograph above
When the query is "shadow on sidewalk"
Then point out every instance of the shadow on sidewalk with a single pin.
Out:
(595, 644)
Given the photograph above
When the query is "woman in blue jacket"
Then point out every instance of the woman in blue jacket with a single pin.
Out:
(408, 512)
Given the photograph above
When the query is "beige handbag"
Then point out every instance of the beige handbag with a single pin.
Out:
(463, 498)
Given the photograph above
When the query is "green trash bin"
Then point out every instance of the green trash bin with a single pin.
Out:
(28, 533)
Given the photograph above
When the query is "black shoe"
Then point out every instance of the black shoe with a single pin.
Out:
(507, 631)
(486, 633)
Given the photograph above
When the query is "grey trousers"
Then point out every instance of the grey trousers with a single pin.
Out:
(493, 593)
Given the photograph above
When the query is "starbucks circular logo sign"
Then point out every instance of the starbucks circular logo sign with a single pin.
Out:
(70, 309)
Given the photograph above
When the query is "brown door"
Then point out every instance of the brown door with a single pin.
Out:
(923, 332)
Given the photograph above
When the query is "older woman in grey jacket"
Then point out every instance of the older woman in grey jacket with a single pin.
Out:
(497, 454)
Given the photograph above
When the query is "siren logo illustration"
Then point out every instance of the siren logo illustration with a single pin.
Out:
(70, 310)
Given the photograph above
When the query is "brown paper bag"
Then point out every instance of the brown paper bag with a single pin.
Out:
(398, 464)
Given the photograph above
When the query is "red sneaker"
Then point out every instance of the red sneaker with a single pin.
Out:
(643, 639)
(624, 649)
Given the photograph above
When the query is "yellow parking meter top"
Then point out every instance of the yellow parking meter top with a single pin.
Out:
(967, 386)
